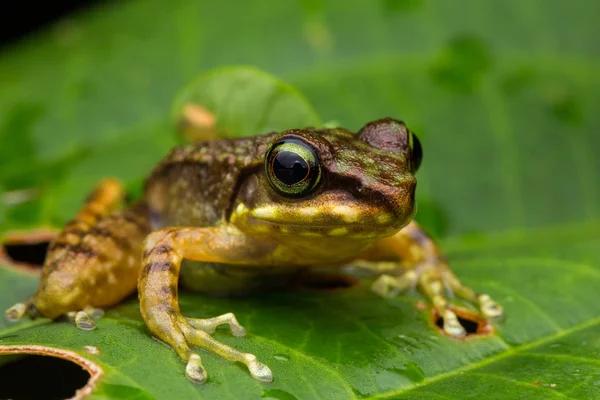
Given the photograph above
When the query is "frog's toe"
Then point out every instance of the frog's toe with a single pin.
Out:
(84, 320)
(438, 283)
(390, 286)
(19, 310)
(198, 337)
(452, 326)
(209, 325)
(194, 370)
(93, 312)
(258, 370)
(16, 312)
(489, 308)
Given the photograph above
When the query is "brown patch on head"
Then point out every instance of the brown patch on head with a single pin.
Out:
(474, 325)
(26, 250)
(94, 370)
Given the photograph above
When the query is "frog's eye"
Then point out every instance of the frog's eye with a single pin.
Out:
(416, 151)
(292, 167)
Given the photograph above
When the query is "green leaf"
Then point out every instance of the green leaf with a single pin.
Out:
(246, 102)
(502, 96)
(354, 344)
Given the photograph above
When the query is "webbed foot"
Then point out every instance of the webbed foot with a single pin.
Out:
(196, 335)
(197, 332)
(439, 284)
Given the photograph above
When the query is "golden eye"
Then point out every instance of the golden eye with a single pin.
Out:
(292, 167)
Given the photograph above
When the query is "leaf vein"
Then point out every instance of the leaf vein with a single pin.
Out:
(499, 356)
(521, 383)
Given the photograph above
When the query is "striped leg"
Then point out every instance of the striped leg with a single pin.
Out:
(157, 290)
(427, 268)
(94, 262)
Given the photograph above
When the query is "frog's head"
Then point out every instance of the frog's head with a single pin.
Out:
(331, 182)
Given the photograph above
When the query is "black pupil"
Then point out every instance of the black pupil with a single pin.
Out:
(289, 167)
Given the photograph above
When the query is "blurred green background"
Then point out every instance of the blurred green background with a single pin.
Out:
(502, 94)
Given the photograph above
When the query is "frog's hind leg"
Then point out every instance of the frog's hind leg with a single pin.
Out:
(425, 267)
(157, 290)
(93, 262)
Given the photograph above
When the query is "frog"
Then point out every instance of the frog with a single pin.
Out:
(242, 215)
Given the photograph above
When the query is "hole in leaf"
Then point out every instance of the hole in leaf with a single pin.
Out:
(473, 325)
(327, 282)
(41, 377)
(27, 253)
(26, 249)
(42, 372)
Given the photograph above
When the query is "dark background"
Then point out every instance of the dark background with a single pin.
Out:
(19, 19)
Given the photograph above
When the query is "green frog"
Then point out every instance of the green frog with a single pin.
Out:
(239, 215)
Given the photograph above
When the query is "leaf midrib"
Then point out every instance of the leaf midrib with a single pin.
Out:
(513, 350)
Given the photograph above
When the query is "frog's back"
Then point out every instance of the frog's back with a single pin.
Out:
(195, 184)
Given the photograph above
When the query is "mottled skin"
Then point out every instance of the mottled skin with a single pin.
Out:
(216, 204)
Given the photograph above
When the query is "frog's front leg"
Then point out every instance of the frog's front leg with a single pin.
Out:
(427, 268)
(157, 287)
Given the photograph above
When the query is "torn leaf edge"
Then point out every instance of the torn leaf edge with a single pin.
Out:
(92, 368)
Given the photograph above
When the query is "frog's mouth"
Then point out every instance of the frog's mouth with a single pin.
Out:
(332, 218)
